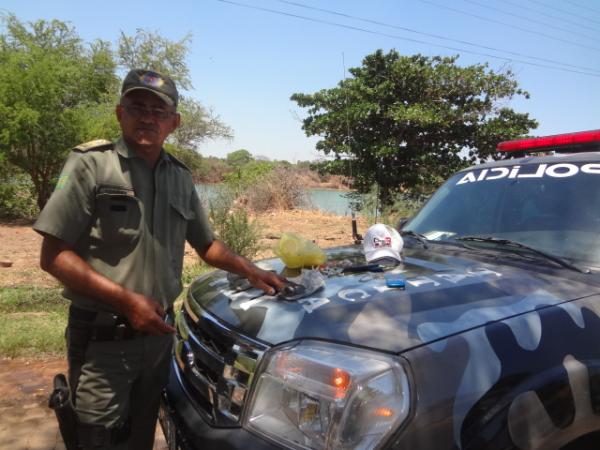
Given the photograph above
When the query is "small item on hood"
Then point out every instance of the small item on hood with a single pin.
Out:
(296, 251)
(382, 242)
(302, 286)
(395, 280)
(363, 268)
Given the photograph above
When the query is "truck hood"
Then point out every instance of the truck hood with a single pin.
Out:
(446, 293)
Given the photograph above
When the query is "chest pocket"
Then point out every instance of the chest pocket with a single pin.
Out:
(180, 215)
(119, 215)
(181, 212)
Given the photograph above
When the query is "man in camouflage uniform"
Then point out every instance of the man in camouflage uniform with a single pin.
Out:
(114, 233)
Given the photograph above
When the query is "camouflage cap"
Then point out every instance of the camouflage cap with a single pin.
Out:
(148, 80)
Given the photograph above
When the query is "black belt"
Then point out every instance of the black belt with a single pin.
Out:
(103, 326)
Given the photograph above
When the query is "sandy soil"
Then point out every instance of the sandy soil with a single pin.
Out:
(20, 245)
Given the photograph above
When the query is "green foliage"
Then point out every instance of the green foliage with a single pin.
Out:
(17, 194)
(405, 122)
(189, 157)
(239, 158)
(99, 120)
(48, 80)
(232, 225)
(248, 175)
(147, 49)
(197, 125)
(32, 321)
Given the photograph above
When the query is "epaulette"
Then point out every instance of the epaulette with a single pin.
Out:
(178, 162)
(96, 145)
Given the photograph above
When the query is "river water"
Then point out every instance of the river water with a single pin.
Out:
(328, 200)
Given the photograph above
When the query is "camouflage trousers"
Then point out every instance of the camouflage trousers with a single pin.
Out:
(117, 386)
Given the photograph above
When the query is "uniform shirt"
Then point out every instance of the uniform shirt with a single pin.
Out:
(127, 220)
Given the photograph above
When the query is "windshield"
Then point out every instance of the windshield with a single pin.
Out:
(552, 207)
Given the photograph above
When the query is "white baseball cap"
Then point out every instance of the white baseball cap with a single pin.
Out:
(382, 241)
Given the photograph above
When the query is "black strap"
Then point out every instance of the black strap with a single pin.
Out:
(102, 326)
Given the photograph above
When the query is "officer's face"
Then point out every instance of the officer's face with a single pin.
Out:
(146, 120)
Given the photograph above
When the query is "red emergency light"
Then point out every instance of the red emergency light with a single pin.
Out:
(579, 139)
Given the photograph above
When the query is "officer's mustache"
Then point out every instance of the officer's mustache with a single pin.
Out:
(148, 128)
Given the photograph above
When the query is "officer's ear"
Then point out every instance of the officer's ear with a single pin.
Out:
(176, 121)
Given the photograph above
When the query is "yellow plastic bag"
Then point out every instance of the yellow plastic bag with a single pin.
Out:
(296, 251)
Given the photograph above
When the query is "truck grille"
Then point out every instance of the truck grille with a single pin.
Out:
(216, 366)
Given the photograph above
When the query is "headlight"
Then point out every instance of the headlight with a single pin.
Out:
(317, 395)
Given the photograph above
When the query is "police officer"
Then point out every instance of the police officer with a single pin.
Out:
(114, 233)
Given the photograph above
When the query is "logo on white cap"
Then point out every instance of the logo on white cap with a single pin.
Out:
(382, 241)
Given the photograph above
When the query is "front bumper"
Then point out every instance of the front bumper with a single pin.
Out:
(192, 431)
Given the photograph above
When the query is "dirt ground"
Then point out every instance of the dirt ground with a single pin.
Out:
(26, 423)
(20, 245)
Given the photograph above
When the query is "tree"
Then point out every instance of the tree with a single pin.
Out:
(56, 92)
(197, 125)
(50, 86)
(150, 50)
(239, 158)
(407, 122)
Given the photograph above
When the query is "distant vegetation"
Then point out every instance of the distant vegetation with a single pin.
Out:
(240, 169)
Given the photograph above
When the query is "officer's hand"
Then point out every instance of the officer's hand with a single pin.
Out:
(146, 315)
(270, 282)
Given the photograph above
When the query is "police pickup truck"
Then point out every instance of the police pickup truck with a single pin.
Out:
(494, 342)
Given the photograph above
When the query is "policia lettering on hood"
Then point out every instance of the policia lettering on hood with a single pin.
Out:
(559, 170)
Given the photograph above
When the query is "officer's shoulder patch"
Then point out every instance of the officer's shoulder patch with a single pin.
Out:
(178, 162)
(96, 145)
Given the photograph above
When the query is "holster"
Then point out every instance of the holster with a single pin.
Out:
(60, 402)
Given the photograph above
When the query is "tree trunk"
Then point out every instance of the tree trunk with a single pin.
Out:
(43, 194)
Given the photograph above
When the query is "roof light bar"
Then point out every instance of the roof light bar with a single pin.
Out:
(549, 142)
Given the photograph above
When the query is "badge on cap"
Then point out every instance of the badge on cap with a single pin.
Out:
(153, 80)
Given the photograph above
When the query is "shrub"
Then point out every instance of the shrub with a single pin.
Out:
(17, 193)
(232, 225)
(247, 176)
(212, 170)
(281, 189)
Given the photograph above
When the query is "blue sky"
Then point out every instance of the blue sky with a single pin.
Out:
(245, 63)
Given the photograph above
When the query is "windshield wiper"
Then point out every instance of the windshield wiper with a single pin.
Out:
(419, 237)
(514, 244)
